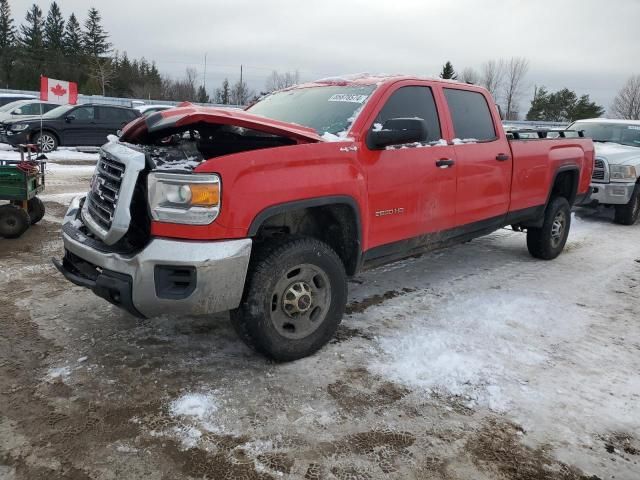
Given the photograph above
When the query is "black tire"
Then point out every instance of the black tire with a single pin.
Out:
(628, 214)
(548, 241)
(14, 221)
(36, 210)
(47, 141)
(277, 317)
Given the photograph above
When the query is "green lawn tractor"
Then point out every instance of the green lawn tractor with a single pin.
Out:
(20, 183)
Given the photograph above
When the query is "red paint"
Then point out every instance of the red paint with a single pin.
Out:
(432, 199)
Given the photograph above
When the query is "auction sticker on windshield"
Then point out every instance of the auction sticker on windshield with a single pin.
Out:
(345, 97)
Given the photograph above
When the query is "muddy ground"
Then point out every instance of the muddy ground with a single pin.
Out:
(89, 392)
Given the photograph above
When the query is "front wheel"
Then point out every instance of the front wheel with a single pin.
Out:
(628, 214)
(548, 241)
(46, 141)
(294, 299)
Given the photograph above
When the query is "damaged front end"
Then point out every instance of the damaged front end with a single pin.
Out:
(148, 176)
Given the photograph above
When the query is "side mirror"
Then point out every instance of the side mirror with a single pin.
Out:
(17, 111)
(69, 118)
(397, 131)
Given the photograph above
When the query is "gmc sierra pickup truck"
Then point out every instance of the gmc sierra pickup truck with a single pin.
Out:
(266, 212)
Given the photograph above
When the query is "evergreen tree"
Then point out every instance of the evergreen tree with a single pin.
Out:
(94, 36)
(30, 61)
(7, 43)
(202, 96)
(538, 104)
(54, 29)
(585, 108)
(562, 106)
(32, 33)
(7, 30)
(73, 37)
(448, 72)
(223, 94)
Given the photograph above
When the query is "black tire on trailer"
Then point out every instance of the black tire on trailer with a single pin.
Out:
(14, 221)
(36, 210)
(47, 141)
(294, 298)
(628, 214)
(548, 241)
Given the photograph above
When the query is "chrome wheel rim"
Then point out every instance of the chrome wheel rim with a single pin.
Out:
(300, 301)
(47, 143)
(558, 228)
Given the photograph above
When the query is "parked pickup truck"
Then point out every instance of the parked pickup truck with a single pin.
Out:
(266, 212)
(616, 173)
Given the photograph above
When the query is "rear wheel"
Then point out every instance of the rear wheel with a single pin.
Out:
(294, 299)
(628, 214)
(548, 241)
(14, 221)
(47, 141)
(36, 210)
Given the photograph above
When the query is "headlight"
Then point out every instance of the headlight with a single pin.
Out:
(179, 198)
(18, 127)
(622, 173)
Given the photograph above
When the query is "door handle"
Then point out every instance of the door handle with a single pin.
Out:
(444, 163)
(502, 157)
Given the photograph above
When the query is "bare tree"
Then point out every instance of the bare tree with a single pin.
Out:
(492, 76)
(278, 81)
(516, 69)
(469, 75)
(181, 90)
(102, 71)
(626, 105)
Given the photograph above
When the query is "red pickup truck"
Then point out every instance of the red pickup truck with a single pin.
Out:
(266, 212)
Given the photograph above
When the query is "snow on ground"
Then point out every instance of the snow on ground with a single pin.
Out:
(62, 153)
(198, 405)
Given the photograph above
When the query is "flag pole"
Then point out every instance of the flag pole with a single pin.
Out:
(41, 156)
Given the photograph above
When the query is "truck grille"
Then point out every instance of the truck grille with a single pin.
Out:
(599, 170)
(105, 188)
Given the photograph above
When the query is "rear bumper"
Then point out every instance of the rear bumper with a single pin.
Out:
(167, 276)
(612, 193)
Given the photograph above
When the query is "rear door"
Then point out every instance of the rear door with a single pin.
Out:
(111, 119)
(80, 127)
(483, 160)
(409, 194)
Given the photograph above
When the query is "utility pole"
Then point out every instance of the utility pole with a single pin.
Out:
(204, 76)
(241, 87)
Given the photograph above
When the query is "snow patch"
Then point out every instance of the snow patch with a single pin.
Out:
(195, 405)
(58, 372)
(473, 347)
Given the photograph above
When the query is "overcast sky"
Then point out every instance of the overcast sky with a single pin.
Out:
(590, 46)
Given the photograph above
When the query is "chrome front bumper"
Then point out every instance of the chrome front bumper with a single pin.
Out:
(137, 282)
(612, 193)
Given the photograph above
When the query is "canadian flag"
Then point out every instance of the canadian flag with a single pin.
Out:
(58, 91)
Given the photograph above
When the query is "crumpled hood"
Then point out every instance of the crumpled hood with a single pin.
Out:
(191, 114)
(617, 154)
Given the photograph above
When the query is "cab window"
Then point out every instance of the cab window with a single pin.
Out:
(470, 114)
(412, 102)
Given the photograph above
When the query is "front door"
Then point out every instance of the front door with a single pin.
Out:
(412, 187)
(80, 126)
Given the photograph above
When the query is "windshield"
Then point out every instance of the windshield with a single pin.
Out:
(331, 109)
(622, 133)
(9, 106)
(58, 111)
